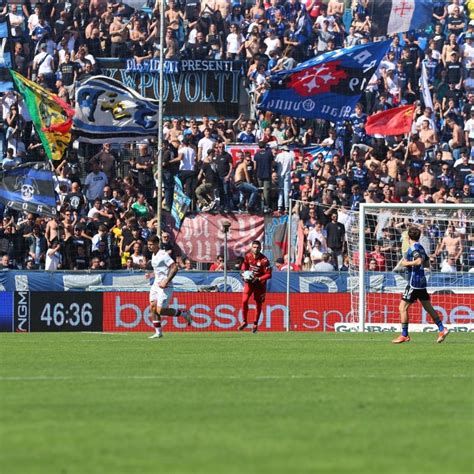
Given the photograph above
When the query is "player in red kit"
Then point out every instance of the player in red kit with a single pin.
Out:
(256, 271)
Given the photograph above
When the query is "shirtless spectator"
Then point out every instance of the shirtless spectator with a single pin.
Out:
(52, 230)
(427, 177)
(118, 36)
(428, 137)
(335, 8)
(451, 244)
(243, 184)
(440, 195)
(393, 164)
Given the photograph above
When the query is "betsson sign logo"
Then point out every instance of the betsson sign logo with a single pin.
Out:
(131, 312)
(309, 312)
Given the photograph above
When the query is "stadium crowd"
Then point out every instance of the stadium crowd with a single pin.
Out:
(107, 201)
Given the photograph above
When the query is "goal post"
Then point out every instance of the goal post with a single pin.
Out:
(377, 241)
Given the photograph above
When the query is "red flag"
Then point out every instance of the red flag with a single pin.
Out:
(391, 122)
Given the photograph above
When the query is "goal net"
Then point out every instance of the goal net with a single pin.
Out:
(377, 241)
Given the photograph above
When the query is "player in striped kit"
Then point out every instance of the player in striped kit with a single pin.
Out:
(415, 262)
(164, 270)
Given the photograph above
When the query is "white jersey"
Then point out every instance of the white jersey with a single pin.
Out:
(161, 261)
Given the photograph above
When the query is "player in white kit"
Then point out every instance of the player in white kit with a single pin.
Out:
(164, 269)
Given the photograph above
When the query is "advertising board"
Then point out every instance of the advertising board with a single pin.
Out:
(308, 312)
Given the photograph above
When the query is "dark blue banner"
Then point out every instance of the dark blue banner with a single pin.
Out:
(328, 86)
(29, 187)
(191, 87)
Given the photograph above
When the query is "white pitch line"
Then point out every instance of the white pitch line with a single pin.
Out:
(39, 378)
(106, 333)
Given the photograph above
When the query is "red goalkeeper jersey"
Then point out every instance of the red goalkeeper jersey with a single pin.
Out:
(259, 265)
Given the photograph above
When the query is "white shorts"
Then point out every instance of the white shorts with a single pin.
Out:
(162, 296)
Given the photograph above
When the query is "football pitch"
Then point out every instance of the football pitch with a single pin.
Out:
(235, 403)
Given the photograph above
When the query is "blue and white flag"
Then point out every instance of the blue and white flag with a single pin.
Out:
(328, 86)
(313, 151)
(29, 187)
(181, 203)
(425, 88)
(107, 111)
(397, 16)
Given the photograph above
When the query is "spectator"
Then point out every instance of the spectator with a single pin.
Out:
(141, 208)
(95, 183)
(243, 183)
(284, 161)
(37, 246)
(222, 162)
(187, 167)
(449, 265)
(188, 265)
(451, 244)
(142, 169)
(316, 253)
(218, 265)
(263, 164)
(284, 266)
(335, 239)
(118, 36)
(324, 265)
(106, 159)
(54, 256)
(5, 263)
(378, 257)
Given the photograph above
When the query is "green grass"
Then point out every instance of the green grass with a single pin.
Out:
(235, 403)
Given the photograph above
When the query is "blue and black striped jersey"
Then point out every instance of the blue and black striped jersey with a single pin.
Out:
(416, 274)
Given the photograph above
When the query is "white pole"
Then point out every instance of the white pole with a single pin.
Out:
(159, 165)
(361, 281)
(288, 269)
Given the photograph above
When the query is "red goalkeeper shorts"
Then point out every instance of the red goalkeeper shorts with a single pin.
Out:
(257, 290)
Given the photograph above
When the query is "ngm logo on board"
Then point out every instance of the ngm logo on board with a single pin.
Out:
(21, 312)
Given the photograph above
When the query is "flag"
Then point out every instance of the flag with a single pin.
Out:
(313, 151)
(328, 86)
(391, 122)
(29, 187)
(181, 203)
(51, 116)
(425, 87)
(275, 243)
(108, 111)
(6, 49)
(397, 16)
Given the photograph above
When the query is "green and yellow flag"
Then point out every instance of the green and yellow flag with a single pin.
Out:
(51, 116)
